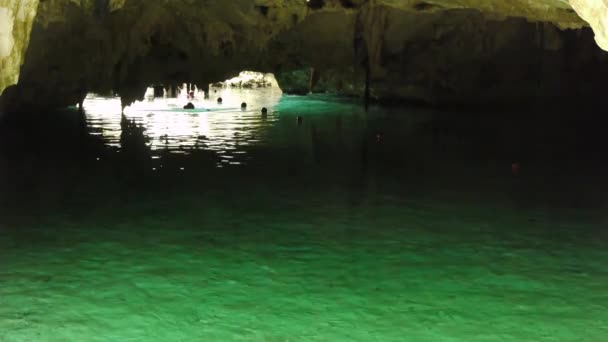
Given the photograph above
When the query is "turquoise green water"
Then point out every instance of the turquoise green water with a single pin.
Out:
(397, 224)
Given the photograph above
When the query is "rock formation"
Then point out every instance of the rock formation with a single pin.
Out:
(439, 51)
(595, 12)
(16, 20)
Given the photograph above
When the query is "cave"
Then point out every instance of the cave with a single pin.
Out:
(303, 170)
(54, 52)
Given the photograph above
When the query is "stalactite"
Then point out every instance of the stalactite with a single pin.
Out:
(370, 29)
(540, 28)
(102, 8)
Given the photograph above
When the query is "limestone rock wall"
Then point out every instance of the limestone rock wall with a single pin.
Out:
(432, 51)
(595, 12)
(124, 46)
(16, 20)
(453, 56)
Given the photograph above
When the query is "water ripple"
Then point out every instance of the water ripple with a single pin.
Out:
(224, 129)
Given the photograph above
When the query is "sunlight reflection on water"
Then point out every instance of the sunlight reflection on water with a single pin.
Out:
(224, 128)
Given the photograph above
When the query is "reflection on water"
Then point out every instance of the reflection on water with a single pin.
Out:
(396, 214)
(386, 151)
(224, 128)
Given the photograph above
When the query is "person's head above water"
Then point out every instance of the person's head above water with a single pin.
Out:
(219, 100)
(244, 105)
(189, 106)
(264, 110)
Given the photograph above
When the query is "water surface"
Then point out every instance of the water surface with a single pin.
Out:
(218, 224)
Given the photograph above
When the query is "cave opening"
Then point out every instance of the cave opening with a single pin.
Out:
(158, 123)
(245, 80)
(248, 87)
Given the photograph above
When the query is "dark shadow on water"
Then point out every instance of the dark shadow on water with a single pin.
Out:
(52, 163)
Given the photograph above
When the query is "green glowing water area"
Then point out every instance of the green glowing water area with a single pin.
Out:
(219, 224)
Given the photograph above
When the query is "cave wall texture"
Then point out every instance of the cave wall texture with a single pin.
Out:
(53, 52)
(16, 20)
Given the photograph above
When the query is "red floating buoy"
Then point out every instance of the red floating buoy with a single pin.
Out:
(515, 168)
